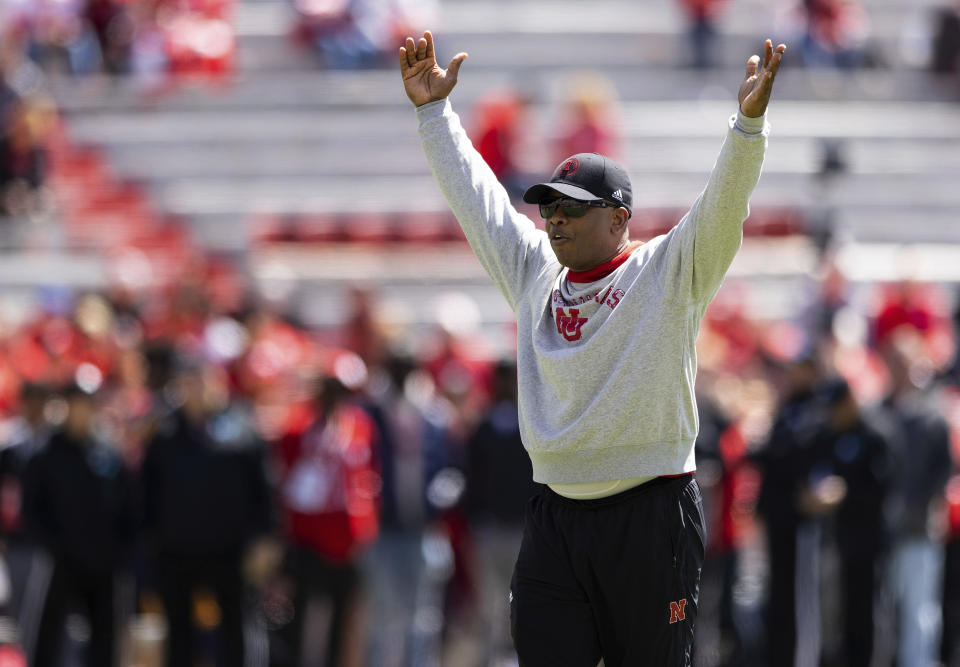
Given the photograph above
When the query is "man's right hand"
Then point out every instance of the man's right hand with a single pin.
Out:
(423, 79)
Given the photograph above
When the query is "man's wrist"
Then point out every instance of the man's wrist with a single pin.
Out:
(750, 124)
(432, 109)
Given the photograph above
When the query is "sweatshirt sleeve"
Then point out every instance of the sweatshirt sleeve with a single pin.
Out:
(507, 243)
(710, 234)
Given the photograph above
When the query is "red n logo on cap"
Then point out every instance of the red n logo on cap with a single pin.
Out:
(569, 167)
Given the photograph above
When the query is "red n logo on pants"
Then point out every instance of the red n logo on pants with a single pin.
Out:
(678, 610)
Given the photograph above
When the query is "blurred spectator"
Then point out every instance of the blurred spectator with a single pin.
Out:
(26, 435)
(329, 490)
(499, 486)
(499, 124)
(790, 532)
(923, 465)
(702, 16)
(849, 448)
(149, 57)
(112, 25)
(24, 130)
(351, 34)
(589, 117)
(363, 333)
(454, 357)
(26, 120)
(395, 564)
(60, 38)
(207, 501)
(199, 37)
(80, 506)
(945, 55)
(902, 304)
(834, 33)
(728, 479)
(147, 38)
(950, 643)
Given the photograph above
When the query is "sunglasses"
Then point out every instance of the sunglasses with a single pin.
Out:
(571, 208)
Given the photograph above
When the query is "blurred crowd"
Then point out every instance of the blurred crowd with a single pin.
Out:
(146, 39)
(829, 456)
(191, 468)
(192, 454)
(26, 115)
(350, 34)
(353, 34)
(156, 44)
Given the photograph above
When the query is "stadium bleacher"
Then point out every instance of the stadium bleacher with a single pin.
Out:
(288, 152)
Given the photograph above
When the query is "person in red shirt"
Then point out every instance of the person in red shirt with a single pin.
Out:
(499, 125)
(329, 492)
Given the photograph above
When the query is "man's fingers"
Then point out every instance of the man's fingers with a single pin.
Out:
(427, 35)
(421, 49)
(454, 68)
(776, 58)
(774, 66)
(403, 59)
(411, 52)
(767, 52)
(752, 65)
(771, 72)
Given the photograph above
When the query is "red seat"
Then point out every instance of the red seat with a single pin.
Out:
(370, 227)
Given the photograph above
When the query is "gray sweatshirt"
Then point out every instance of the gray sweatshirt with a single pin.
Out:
(606, 358)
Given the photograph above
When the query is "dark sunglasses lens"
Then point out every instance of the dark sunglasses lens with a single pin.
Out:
(569, 211)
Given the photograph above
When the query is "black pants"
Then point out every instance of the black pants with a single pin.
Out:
(860, 572)
(179, 578)
(74, 588)
(316, 577)
(781, 610)
(616, 578)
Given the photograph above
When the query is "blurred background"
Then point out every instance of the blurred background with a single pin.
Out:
(258, 399)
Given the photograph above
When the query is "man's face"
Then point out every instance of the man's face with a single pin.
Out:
(585, 242)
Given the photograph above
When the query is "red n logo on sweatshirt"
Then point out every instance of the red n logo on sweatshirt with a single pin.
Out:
(569, 323)
(678, 610)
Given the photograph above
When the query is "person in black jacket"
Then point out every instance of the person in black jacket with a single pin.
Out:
(28, 434)
(206, 500)
(850, 448)
(80, 507)
(499, 487)
(791, 534)
(921, 447)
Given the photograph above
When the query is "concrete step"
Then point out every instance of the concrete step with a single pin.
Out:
(652, 119)
(189, 197)
(353, 91)
(400, 157)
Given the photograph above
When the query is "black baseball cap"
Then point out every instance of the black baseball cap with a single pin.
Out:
(586, 176)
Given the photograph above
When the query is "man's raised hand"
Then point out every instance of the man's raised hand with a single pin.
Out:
(755, 90)
(423, 79)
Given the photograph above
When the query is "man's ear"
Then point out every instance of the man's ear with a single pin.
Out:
(621, 216)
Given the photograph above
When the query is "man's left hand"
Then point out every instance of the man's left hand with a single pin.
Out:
(755, 90)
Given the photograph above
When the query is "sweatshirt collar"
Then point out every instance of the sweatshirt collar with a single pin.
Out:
(605, 269)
